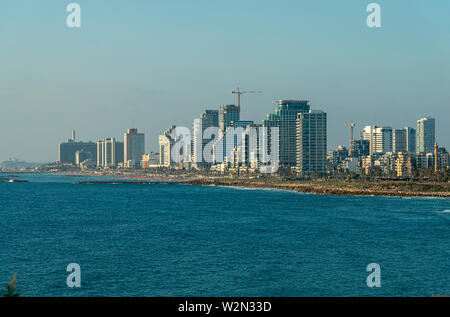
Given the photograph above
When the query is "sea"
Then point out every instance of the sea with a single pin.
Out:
(151, 240)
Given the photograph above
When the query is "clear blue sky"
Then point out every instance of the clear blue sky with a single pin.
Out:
(155, 63)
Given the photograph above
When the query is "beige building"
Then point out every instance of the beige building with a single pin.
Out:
(166, 142)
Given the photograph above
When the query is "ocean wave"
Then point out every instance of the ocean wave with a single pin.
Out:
(423, 198)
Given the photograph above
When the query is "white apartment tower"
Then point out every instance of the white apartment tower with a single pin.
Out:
(380, 139)
(425, 135)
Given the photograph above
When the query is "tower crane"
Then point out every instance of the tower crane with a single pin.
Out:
(239, 92)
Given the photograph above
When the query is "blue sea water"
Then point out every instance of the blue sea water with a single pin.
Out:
(181, 240)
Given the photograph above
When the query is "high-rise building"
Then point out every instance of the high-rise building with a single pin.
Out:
(227, 115)
(118, 155)
(360, 148)
(443, 158)
(67, 150)
(209, 118)
(285, 118)
(399, 141)
(380, 138)
(109, 152)
(231, 139)
(100, 153)
(311, 142)
(410, 140)
(251, 144)
(166, 143)
(404, 140)
(425, 135)
(133, 147)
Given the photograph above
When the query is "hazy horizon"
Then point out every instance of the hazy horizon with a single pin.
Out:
(152, 64)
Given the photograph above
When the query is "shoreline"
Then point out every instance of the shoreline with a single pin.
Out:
(318, 187)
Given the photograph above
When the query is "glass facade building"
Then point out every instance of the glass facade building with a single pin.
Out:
(311, 142)
(285, 118)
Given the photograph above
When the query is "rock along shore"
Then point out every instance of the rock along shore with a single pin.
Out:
(371, 189)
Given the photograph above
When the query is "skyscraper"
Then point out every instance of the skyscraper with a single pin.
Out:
(311, 142)
(109, 152)
(231, 138)
(410, 140)
(227, 115)
(399, 142)
(100, 153)
(133, 147)
(425, 135)
(404, 140)
(118, 155)
(67, 150)
(249, 150)
(380, 138)
(209, 118)
(285, 118)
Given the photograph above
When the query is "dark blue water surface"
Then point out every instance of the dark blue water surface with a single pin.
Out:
(181, 240)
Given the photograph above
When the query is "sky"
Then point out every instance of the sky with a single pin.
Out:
(150, 64)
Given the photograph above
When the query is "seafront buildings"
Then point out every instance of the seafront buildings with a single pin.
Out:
(425, 135)
(391, 152)
(227, 115)
(209, 118)
(134, 147)
(110, 152)
(67, 150)
(380, 138)
(404, 140)
(150, 160)
(236, 146)
(166, 143)
(311, 142)
(285, 118)
(360, 148)
(249, 151)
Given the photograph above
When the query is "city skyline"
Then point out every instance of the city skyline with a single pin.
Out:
(145, 149)
(153, 65)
